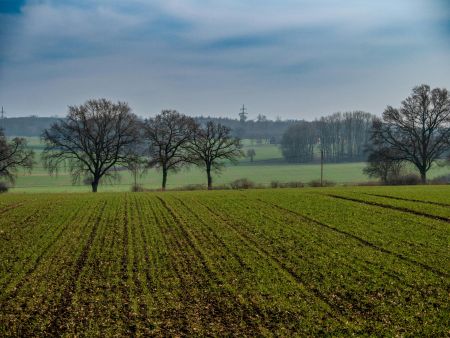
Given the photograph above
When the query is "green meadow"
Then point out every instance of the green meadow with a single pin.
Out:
(268, 166)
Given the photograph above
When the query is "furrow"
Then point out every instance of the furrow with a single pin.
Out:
(391, 207)
(28, 309)
(188, 238)
(57, 326)
(281, 265)
(238, 258)
(146, 248)
(409, 200)
(363, 241)
(350, 266)
(226, 315)
(10, 207)
(126, 310)
(139, 292)
(174, 319)
(38, 259)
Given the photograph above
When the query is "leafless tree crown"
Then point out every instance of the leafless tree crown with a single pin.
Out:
(212, 146)
(92, 140)
(13, 156)
(168, 134)
(418, 132)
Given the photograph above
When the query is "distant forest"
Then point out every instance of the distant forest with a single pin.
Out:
(341, 136)
(262, 129)
(26, 126)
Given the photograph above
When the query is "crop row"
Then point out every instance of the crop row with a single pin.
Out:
(364, 283)
(432, 194)
(220, 263)
(420, 207)
(416, 238)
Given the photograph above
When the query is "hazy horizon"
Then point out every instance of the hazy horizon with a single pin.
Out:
(292, 59)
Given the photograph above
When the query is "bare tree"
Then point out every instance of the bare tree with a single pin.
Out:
(384, 165)
(168, 135)
(212, 147)
(418, 132)
(137, 165)
(343, 137)
(251, 153)
(14, 155)
(92, 140)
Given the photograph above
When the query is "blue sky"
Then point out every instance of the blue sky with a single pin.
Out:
(293, 59)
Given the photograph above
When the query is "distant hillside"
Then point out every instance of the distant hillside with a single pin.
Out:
(264, 130)
(26, 126)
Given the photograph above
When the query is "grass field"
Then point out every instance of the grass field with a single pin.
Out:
(268, 166)
(336, 261)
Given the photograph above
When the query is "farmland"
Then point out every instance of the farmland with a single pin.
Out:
(268, 166)
(335, 261)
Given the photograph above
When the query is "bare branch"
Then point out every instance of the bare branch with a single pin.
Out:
(212, 146)
(168, 134)
(13, 156)
(419, 131)
(92, 141)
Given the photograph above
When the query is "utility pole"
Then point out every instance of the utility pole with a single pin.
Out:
(321, 162)
(321, 167)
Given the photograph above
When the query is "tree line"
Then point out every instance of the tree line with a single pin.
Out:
(416, 133)
(99, 138)
(27, 126)
(340, 136)
(261, 129)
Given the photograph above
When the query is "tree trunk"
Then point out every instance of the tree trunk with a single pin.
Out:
(384, 178)
(94, 185)
(423, 176)
(208, 173)
(164, 180)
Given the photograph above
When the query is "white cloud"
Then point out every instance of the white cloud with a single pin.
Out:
(158, 54)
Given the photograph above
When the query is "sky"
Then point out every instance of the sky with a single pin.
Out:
(293, 59)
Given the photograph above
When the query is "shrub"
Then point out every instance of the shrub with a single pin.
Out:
(368, 184)
(137, 188)
(443, 179)
(325, 183)
(292, 184)
(189, 187)
(275, 184)
(407, 179)
(87, 180)
(221, 187)
(3, 187)
(242, 183)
